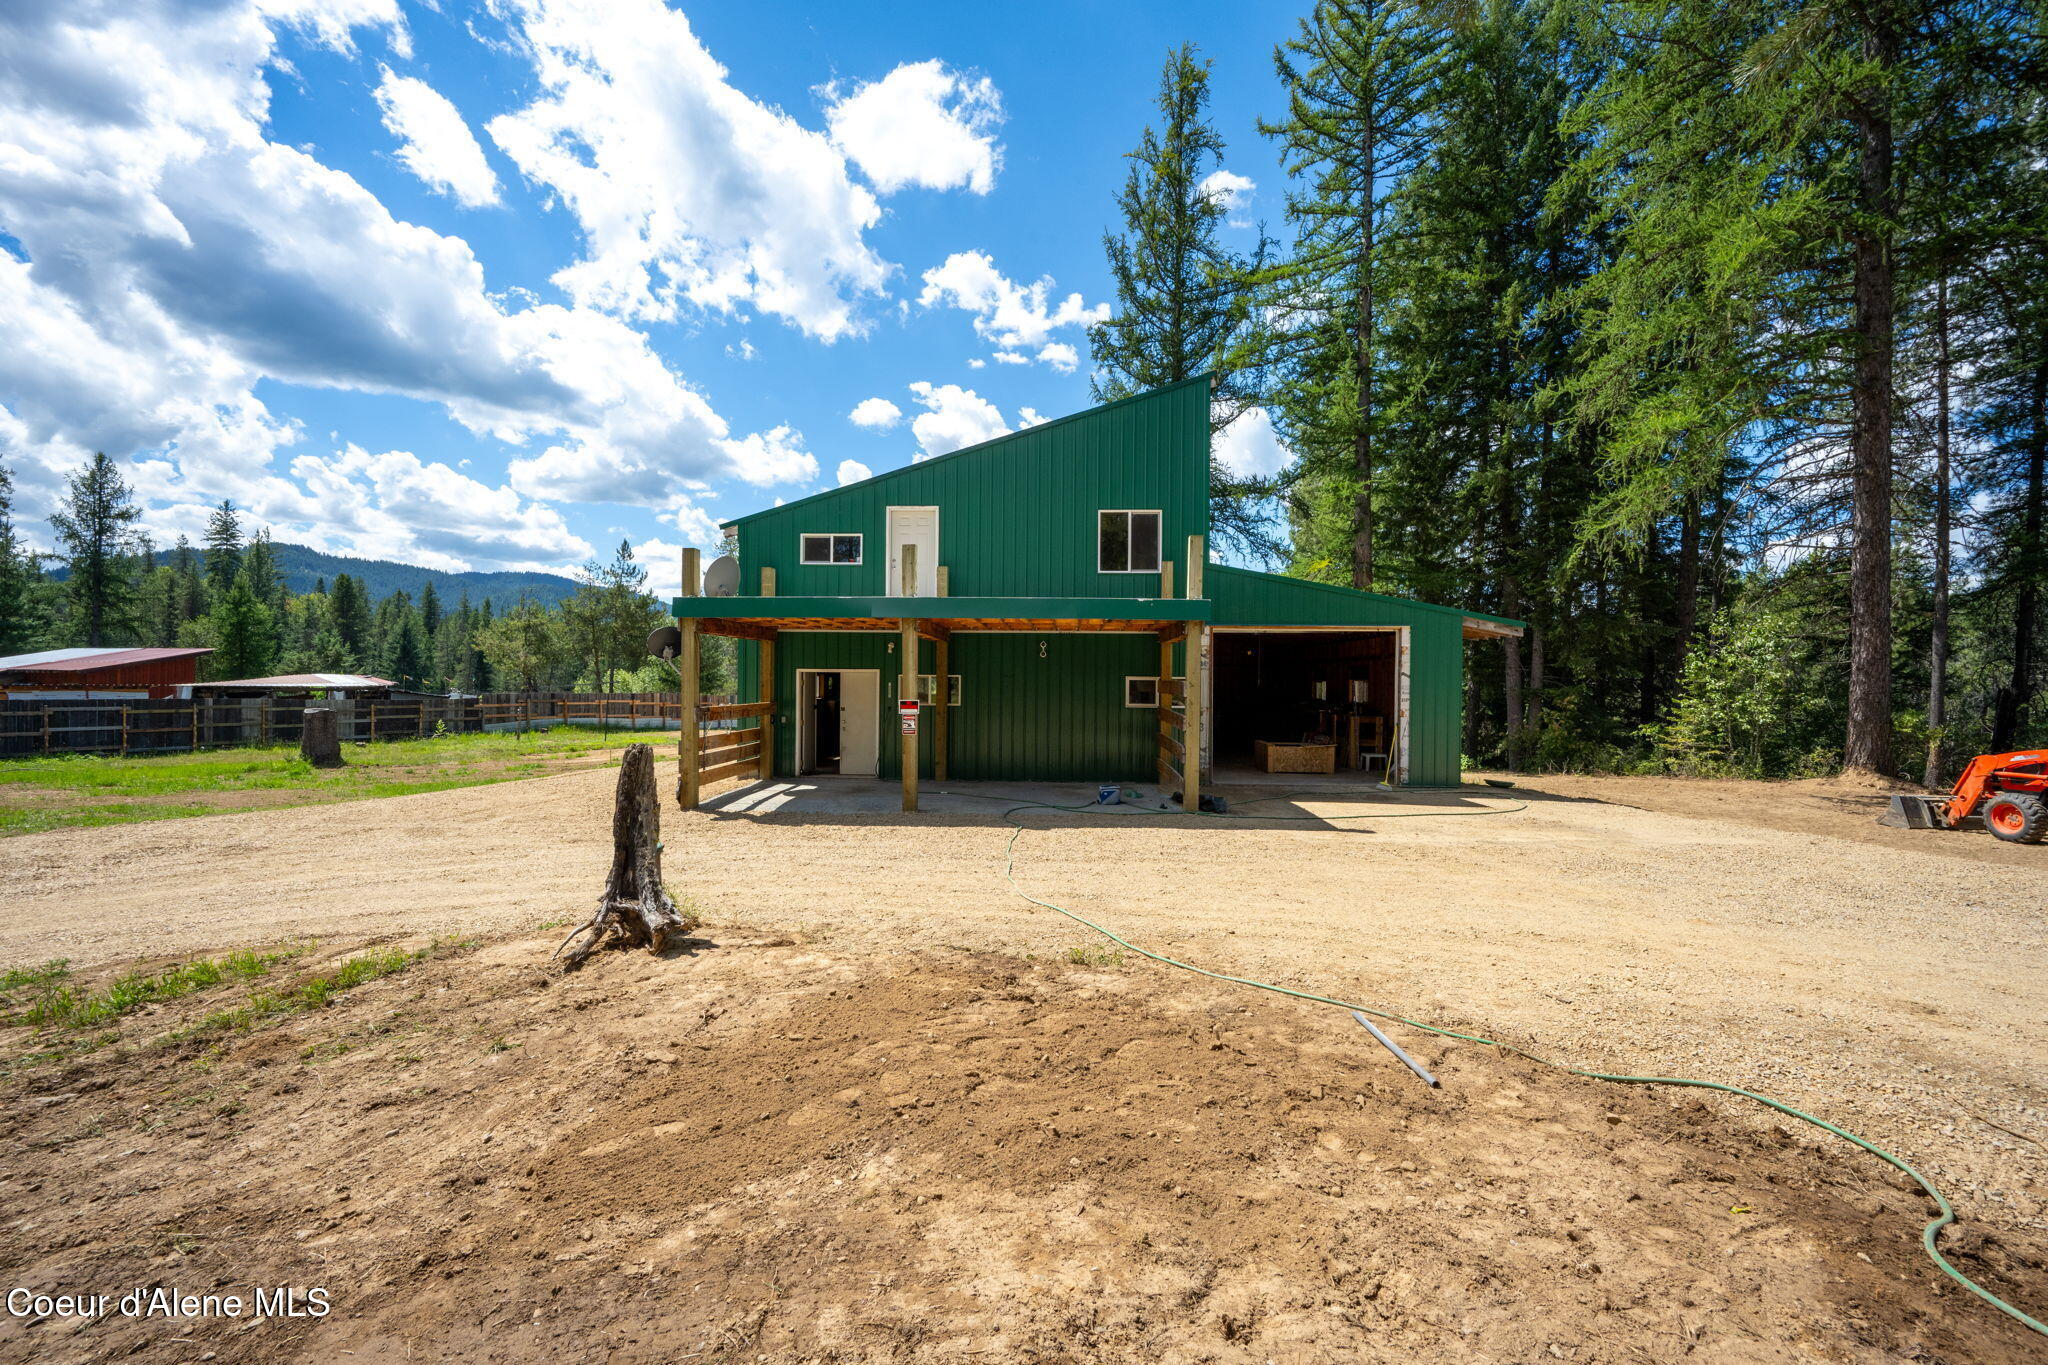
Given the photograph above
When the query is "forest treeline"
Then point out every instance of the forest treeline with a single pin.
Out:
(1711, 339)
(228, 595)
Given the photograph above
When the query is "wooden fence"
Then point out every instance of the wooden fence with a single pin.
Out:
(29, 725)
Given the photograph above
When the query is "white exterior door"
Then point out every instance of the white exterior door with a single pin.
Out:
(860, 721)
(913, 552)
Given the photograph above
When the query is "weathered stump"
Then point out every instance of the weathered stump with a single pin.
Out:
(634, 908)
(320, 737)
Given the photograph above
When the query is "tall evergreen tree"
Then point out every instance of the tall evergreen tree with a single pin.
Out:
(244, 631)
(350, 609)
(1360, 76)
(20, 625)
(92, 532)
(1183, 305)
(223, 547)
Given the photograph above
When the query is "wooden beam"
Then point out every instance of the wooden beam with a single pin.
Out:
(1197, 670)
(1197, 557)
(942, 704)
(945, 577)
(734, 710)
(906, 690)
(767, 689)
(745, 767)
(738, 630)
(688, 782)
(688, 747)
(1166, 578)
(935, 630)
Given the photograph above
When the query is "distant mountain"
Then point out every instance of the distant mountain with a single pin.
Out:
(303, 566)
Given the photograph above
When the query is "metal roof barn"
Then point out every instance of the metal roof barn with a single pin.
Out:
(1042, 606)
(136, 672)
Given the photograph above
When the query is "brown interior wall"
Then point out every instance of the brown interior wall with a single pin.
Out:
(1263, 686)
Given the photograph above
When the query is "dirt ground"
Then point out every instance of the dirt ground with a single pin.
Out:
(1757, 934)
(763, 1149)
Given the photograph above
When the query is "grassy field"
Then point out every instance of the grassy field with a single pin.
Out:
(38, 794)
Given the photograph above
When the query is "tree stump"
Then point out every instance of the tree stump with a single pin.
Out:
(320, 737)
(634, 908)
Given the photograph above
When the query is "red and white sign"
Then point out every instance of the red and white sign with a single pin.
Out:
(908, 711)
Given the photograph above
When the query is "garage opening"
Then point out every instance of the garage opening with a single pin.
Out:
(1308, 703)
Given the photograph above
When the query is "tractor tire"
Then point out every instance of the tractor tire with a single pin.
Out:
(2016, 817)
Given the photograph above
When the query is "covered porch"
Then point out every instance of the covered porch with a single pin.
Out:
(928, 627)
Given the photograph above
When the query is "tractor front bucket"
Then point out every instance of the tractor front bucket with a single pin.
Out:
(1914, 812)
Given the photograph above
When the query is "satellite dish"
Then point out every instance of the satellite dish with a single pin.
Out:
(665, 643)
(722, 577)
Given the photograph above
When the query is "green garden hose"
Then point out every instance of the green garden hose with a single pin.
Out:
(1927, 1234)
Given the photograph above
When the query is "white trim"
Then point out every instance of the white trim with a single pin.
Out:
(1151, 705)
(828, 562)
(803, 709)
(889, 561)
(1160, 546)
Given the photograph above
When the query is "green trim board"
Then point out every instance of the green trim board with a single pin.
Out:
(944, 608)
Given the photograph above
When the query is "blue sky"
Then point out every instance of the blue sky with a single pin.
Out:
(493, 286)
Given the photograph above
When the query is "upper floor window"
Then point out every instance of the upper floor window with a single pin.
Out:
(1127, 542)
(830, 549)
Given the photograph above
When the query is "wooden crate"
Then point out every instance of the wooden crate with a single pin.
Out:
(1287, 756)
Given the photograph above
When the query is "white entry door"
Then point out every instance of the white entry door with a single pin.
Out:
(913, 552)
(860, 721)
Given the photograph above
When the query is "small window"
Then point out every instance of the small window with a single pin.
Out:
(1361, 691)
(1142, 693)
(831, 549)
(925, 683)
(1127, 542)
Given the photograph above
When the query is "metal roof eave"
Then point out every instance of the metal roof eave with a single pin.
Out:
(944, 608)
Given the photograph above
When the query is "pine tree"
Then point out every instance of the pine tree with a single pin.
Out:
(430, 610)
(91, 533)
(20, 620)
(350, 611)
(223, 547)
(1183, 305)
(1360, 77)
(406, 659)
(244, 632)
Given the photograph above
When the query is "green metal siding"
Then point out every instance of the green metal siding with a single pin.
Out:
(1436, 651)
(1032, 707)
(1017, 514)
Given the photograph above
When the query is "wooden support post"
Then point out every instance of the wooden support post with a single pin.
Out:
(767, 690)
(944, 585)
(767, 580)
(689, 747)
(906, 690)
(1166, 578)
(1197, 667)
(942, 704)
(1196, 556)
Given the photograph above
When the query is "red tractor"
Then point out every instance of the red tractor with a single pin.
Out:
(2011, 789)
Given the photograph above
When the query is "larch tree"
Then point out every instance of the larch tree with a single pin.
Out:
(1182, 303)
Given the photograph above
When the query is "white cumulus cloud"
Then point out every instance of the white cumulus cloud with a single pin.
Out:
(920, 125)
(876, 414)
(1250, 448)
(853, 471)
(953, 419)
(433, 141)
(1009, 314)
(684, 187)
(1060, 356)
(1228, 188)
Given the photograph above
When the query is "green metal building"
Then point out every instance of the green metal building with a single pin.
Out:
(1058, 578)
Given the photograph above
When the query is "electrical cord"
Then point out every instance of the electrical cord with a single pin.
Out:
(1928, 1234)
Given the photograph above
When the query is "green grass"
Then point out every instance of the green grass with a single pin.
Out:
(79, 790)
(316, 991)
(54, 1002)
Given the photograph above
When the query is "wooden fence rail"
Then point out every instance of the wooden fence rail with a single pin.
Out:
(30, 725)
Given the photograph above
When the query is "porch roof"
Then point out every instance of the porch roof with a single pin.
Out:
(752, 617)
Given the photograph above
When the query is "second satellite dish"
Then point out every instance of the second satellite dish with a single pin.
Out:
(722, 577)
